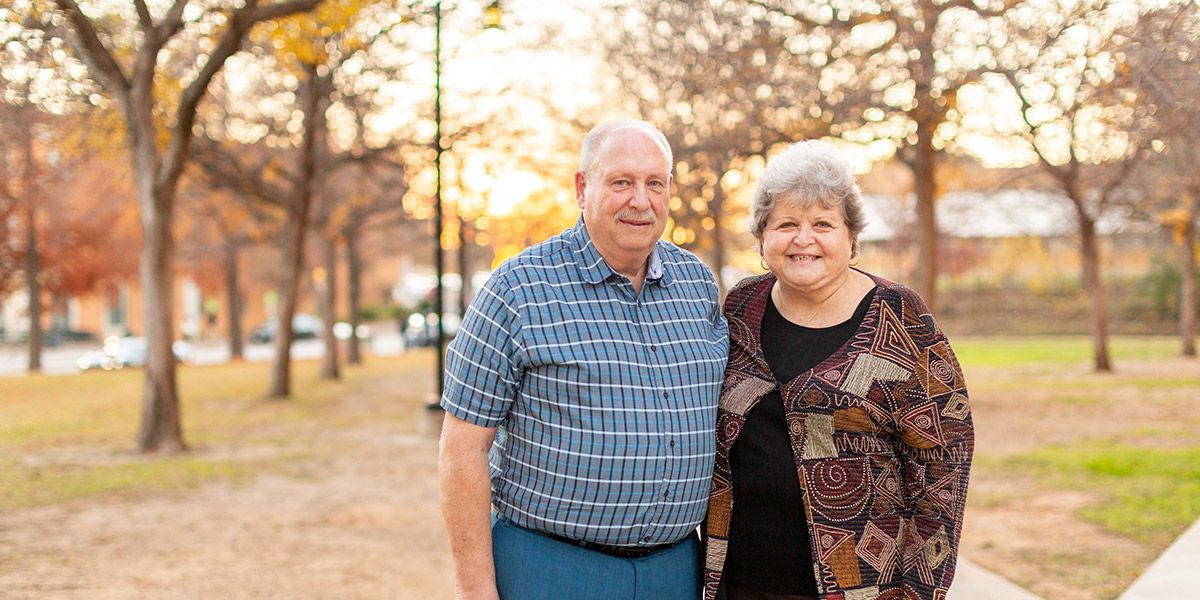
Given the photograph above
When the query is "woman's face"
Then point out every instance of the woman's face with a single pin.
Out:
(807, 249)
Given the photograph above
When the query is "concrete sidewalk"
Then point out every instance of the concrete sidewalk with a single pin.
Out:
(1173, 576)
(973, 582)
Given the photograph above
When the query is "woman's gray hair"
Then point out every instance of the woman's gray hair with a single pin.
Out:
(595, 138)
(807, 173)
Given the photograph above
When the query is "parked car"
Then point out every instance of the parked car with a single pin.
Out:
(121, 352)
(304, 326)
(420, 332)
(51, 338)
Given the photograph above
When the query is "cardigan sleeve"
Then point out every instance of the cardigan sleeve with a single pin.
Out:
(936, 440)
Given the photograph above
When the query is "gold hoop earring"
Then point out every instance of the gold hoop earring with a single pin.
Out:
(762, 262)
(855, 258)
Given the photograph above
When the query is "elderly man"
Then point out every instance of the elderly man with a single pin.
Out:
(589, 366)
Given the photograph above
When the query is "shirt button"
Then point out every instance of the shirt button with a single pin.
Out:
(666, 493)
(653, 348)
(646, 538)
(666, 395)
(672, 443)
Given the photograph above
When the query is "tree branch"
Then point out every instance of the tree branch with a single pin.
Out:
(975, 8)
(92, 51)
(223, 170)
(365, 155)
(145, 21)
(1059, 173)
(173, 22)
(834, 23)
(274, 11)
(1123, 171)
(239, 23)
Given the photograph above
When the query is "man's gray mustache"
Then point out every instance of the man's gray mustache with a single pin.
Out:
(633, 215)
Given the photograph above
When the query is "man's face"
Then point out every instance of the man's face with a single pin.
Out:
(625, 195)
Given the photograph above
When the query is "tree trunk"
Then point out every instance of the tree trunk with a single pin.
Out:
(1187, 294)
(161, 429)
(717, 207)
(354, 277)
(281, 381)
(925, 186)
(298, 222)
(33, 273)
(328, 299)
(33, 264)
(924, 160)
(463, 266)
(234, 301)
(1094, 286)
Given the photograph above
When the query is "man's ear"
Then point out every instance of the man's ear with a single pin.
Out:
(580, 184)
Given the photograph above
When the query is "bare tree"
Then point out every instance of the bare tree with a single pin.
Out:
(316, 58)
(39, 95)
(375, 198)
(1080, 121)
(269, 175)
(21, 134)
(156, 168)
(1164, 70)
(369, 186)
(20, 117)
(893, 71)
(224, 224)
(313, 94)
(9, 256)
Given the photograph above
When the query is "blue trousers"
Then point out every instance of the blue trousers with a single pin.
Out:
(531, 566)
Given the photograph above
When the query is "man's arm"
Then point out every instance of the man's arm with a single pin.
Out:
(466, 506)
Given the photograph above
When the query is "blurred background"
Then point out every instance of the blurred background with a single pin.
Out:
(308, 185)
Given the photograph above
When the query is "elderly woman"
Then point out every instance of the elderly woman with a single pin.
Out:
(844, 433)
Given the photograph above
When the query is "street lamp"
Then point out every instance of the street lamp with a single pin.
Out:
(491, 20)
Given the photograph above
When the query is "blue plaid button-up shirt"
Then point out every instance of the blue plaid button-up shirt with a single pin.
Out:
(605, 400)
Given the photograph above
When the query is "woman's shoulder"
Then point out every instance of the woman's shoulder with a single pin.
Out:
(901, 297)
(742, 290)
(911, 309)
(748, 284)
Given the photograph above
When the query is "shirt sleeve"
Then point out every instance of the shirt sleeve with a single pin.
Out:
(717, 315)
(482, 372)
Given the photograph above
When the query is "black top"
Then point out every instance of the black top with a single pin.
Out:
(769, 548)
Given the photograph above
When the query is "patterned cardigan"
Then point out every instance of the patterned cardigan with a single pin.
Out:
(882, 437)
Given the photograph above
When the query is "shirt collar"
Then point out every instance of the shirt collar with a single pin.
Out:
(594, 269)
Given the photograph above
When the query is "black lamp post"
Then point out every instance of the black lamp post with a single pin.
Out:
(491, 20)
(439, 253)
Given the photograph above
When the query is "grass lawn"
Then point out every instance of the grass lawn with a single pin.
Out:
(72, 436)
(1149, 494)
(992, 351)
